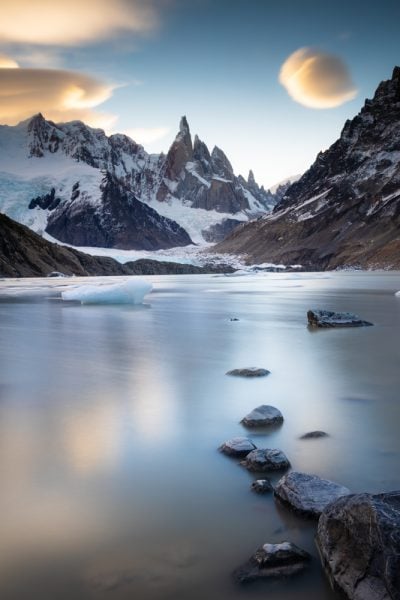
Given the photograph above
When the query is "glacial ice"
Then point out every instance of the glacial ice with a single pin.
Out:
(127, 292)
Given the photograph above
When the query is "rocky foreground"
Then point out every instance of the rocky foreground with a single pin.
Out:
(345, 210)
(358, 535)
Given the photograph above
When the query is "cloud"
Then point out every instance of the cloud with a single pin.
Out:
(316, 79)
(61, 95)
(70, 22)
(146, 135)
(7, 63)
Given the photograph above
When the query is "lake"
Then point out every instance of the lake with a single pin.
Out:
(111, 416)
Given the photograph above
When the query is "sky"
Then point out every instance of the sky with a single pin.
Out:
(271, 83)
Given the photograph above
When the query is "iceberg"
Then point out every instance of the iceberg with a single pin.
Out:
(128, 292)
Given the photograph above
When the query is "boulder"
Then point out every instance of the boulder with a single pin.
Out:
(273, 560)
(263, 416)
(308, 494)
(327, 318)
(359, 542)
(249, 372)
(238, 446)
(262, 486)
(313, 435)
(266, 459)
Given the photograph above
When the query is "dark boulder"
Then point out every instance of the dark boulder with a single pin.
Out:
(328, 319)
(266, 459)
(249, 372)
(314, 435)
(359, 542)
(238, 446)
(262, 486)
(273, 560)
(308, 494)
(263, 416)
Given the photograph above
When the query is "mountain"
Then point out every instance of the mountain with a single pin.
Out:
(345, 210)
(24, 253)
(85, 188)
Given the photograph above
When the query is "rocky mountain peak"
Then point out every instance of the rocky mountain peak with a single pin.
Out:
(345, 210)
(221, 165)
(250, 179)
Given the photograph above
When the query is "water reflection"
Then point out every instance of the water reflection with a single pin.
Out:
(110, 418)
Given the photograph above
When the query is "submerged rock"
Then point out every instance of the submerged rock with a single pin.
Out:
(327, 318)
(308, 494)
(266, 460)
(273, 560)
(359, 542)
(313, 435)
(238, 446)
(262, 416)
(262, 486)
(249, 372)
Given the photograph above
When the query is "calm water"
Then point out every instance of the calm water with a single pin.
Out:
(110, 417)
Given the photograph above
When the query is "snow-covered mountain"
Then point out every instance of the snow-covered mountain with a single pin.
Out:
(88, 189)
(345, 210)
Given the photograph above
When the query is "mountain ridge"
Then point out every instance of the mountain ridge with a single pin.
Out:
(345, 210)
(174, 197)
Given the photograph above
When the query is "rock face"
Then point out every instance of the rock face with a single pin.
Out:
(24, 253)
(86, 188)
(238, 446)
(263, 416)
(327, 318)
(345, 210)
(117, 220)
(308, 494)
(359, 542)
(264, 460)
(249, 372)
(273, 560)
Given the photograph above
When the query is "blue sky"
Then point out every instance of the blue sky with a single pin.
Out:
(218, 63)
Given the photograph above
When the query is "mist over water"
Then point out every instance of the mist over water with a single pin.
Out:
(111, 416)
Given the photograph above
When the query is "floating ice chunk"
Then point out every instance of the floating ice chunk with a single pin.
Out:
(128, 292)
(397, 294)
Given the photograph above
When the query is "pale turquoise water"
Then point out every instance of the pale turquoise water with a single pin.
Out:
(110, 417)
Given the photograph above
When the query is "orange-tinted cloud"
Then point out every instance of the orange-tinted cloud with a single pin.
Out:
(70, 22)
(316, 79)
(60, 95)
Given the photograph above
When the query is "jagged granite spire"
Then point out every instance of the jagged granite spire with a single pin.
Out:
(180, 152)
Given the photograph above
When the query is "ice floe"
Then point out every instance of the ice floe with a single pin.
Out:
(128, 292)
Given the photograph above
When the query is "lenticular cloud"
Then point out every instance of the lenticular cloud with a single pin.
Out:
(128, 292)
(316, 79)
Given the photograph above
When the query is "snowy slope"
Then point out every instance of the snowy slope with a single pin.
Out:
(193, 189)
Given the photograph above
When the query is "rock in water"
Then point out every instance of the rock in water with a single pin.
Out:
(266, 460)
(273, 560)
(238, 446)
(308, 494)
(359, 542)
(262, 416)
(262, 486)
(249, 372)
(314, 435)
(327, 318)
